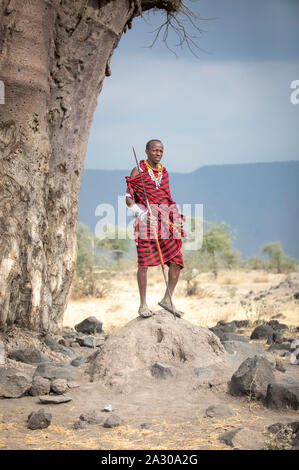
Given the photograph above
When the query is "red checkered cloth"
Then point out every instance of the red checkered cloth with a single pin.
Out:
(170, 221)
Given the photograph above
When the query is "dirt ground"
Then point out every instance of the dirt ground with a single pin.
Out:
(173, 411)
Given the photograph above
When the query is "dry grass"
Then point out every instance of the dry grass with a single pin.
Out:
(216, 299)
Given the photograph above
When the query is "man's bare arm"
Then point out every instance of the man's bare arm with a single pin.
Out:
(129, 199)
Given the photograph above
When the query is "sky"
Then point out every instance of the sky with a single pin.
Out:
(231, 103)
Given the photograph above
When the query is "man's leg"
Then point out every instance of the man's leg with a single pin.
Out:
(173, 277)
(142, 283)
(143, 311)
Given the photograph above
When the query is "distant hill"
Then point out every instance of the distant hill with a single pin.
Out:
(259, 200)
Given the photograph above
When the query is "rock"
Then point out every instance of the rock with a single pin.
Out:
(242, 323)
(93, 417)
(78, 361)
(73, 384)
(214, 375)
(226, 327)
(88, 341)
(262, 332)
(243, 439)
(40, 386)
(282, 396)
(13, 383)
(90, 325)
(39, 419)
(161, 371)
(28, 355)
(55, 370)
(285, 436)
(240, 351)
(54, 346)
(219, 411)
(59, 386)
(280, 366)
(278, 337)
(296, 295)
(276, 325)
(224, 336)
(133, 349)
(294, 344)
(2, 353)
(294, 357)
(278, 347)
(234, 337)
(252, 378)
(79, 424)
(52, 400)
(112, 421)
(108, 408)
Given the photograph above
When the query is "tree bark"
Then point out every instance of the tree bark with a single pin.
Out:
(54, 56)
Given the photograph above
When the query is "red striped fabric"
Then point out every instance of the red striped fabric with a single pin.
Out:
(170, 221)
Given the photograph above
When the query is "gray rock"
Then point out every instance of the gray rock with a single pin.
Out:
(239, 351)
(55, 370)
(13, 383)
(2, 353)
(294, 357)
(280, 366)
(39, 419)
(252, 378)
(219, 411)
(59, 386)
(276, 325)
(55, 346)
(90, 325)
(243, 439)
(40, 386)
(278, 337)
(242, 323)
(233, 337)
(294, 344)
(279, 347)
(69, 333)
(53, 400)
(88, 341)
(226, 327)
(161, 371)
(108, 408)
(28, 355)
(262, 332)
(285, 433)
(79, 424)
(112, 421)
(92, 417)
(78, 361)
(282, 396)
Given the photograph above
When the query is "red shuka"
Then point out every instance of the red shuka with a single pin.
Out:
(170, 221)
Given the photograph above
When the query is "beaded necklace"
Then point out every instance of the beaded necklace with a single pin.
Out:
(156, 179)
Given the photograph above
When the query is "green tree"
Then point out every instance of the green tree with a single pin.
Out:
(277, 257)
(116, 242)
(216, 242)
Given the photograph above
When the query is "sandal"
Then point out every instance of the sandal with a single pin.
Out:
(144, 311)
(177, 312)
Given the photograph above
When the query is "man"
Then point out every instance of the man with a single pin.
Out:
(154, 177)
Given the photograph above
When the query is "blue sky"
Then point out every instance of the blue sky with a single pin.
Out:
(230, 105)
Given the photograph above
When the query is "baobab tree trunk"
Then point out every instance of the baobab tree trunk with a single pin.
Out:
(54, 56)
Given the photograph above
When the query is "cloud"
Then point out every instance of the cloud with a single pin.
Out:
(206, 112)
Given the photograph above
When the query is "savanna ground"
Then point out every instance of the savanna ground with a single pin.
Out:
(175, 414)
